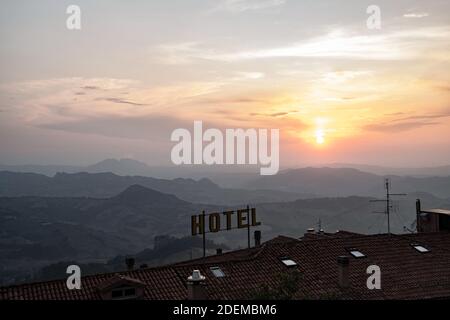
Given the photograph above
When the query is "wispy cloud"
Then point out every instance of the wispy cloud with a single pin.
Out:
(119, 100)
(237, 6)
(408, 123)
(150, 127)
(443, 87)
(416, 15)
(344, 44)
(339, 77)
(340, 44)
(397, 127)
(426, 116)
(180, 53)
(274, 114)
(91, 87)
(249, 75)
(67, 99)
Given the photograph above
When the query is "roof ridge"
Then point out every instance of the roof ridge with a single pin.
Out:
(107, 275)
(333, 236)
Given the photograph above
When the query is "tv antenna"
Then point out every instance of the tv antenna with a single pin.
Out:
(388, 201)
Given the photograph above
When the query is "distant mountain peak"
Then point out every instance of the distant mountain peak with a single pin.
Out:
(123, 167)
(139, 194)
(137, 188)
(121, 160)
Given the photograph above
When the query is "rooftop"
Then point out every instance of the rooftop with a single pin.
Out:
(437, 211)
(406, 273)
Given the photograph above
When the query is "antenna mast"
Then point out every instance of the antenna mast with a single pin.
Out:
(387, 211)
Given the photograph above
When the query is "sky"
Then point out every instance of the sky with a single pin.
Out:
(137, 70)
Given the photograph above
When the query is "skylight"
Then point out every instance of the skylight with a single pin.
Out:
(420, 248)
(288, 262)
(217, 272)
(357, 254)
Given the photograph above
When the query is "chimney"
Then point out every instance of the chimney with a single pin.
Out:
(196, 286)
(130, 263)
(219, 251)
(343, 271)
(418, 215)
(257, 236)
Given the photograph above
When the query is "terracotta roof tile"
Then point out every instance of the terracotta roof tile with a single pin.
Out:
(405, 272)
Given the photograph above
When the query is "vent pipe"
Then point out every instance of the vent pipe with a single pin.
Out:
(196, 286)
(418, 215)
(257, 236)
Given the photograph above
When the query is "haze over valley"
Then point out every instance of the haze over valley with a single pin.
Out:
(99, 218)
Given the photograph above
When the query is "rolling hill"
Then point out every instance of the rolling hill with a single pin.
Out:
(340, 182)
(104, 185)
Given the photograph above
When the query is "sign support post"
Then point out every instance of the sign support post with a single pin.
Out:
(204, 233)
(248, 226)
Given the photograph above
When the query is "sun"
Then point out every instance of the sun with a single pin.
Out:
(320, 136)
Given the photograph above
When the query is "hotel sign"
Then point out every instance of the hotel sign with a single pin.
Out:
(222, 221)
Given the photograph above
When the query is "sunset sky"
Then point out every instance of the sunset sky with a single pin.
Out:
(137, 70)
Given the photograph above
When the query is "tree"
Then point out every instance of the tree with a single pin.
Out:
(287, 285)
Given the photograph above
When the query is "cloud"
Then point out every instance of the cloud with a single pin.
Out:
(274, 114)
(397, 127)
(426, 117)
(55, 84)
(249, 76)
(395, 114)
(118, 100)
(149, 127)
(180, 53)
(443, 87)
(416, 15)
(339, 44)
(237, 6)
(231, 100)
(339, 77)
(408, 123)
(253, 100)
(91, 88)
(344, 44)
(60, 100)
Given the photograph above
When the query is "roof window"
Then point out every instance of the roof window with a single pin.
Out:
(288, 262)
(217, 272)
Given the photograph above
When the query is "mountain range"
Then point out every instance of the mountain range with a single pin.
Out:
(287, 185)
(338, 182)
(93, 217)
(226, 176)
(103, 185)
(38, 231)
